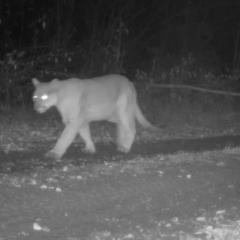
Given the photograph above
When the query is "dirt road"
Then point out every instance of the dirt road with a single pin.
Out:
(114, 196)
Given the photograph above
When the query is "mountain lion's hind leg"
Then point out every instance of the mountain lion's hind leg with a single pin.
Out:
(126, 131)
(126, 128)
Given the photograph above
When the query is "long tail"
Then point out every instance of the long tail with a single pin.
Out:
(142, 120)
(138, 113)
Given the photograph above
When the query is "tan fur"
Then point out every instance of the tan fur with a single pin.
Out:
(81, 101)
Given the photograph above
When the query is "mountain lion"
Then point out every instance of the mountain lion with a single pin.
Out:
(81, 101)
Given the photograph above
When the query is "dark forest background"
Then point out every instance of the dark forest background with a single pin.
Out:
(193, 42)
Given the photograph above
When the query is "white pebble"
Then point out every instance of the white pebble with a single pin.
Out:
(65, 168)
(43, 186)
(37, 227)
(58, 189)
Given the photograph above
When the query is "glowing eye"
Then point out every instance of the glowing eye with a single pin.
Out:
(35, 97)
(44, 97)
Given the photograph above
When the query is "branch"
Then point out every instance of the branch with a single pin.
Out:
(156, 86)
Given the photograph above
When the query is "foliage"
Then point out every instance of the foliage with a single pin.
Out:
(182, 41)
(189, 70)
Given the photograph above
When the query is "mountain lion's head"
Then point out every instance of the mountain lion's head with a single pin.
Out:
(44, 96)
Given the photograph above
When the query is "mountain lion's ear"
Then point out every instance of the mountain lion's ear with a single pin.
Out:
(35, 82)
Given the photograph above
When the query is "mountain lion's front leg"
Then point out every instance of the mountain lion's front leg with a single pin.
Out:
(64, 141)
(84, 132)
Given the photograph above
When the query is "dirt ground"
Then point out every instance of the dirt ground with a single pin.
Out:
(143, 195)
(181, 183)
